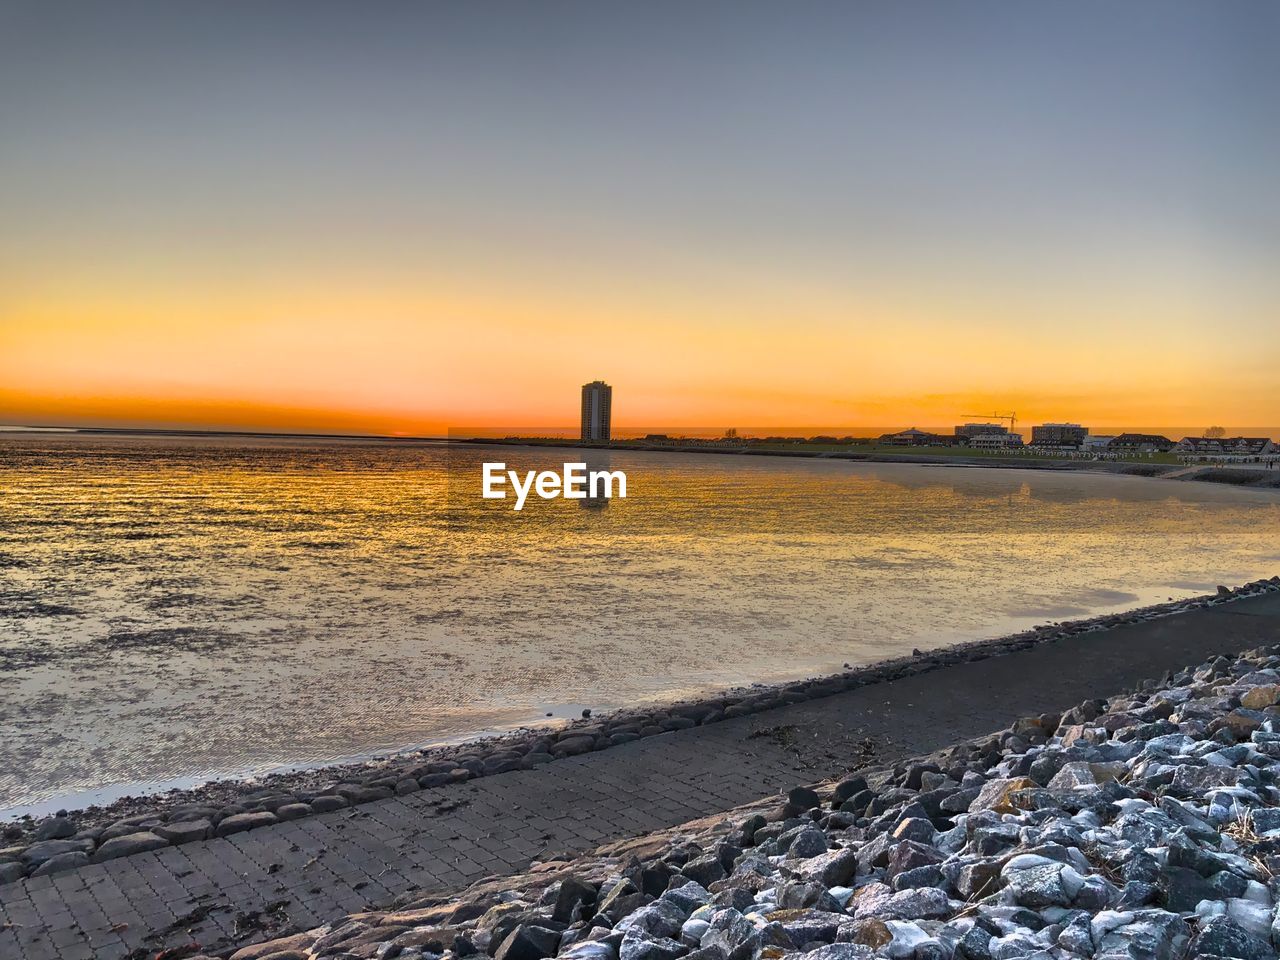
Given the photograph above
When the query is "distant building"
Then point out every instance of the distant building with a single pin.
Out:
(1225, 446)
(913, 438)
(1139, 443)
(970, 430)
(1097, 443)
(597, 402)
(1062, 435)
(996, 441)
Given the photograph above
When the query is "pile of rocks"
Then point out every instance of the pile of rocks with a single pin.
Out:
(138, 824)
(1146, 826)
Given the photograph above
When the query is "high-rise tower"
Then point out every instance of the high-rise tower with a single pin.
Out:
(597, 399)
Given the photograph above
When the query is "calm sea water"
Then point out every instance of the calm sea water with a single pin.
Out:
(174, 610)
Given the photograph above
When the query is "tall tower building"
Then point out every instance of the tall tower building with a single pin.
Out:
(597, 400)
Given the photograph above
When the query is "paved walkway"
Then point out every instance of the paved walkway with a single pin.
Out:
(300, 874)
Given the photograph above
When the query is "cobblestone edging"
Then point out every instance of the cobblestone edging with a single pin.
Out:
(136, 825)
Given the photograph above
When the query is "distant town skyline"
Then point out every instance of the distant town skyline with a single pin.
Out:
(398, 218)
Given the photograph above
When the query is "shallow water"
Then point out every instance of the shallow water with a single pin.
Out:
(173, 610)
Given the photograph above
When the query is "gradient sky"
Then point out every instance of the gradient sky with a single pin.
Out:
(401, 216)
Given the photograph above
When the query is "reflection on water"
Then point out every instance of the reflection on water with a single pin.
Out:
(184, 609)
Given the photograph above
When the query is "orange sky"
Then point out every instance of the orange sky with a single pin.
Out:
(278, 361)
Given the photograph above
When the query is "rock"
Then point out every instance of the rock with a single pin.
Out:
(239, 822)
(257, 951)
(809, 842)
(807, 926)
(637, 949)
(1256, 698)
(11, 870)
(128, 845)
(572, 746)
(1198, 780)
(688, 897)
(527, 942)
(801, 799)
(589, 950)
(914, 828)
(573, 892)
(1039, 886)
(185, 831)
(917, 904)
(841, 951)
(831, 869)
(662, 918)
(976, 880)
(328, 802)
(61, 863)
(910, 855)
(1182, 888)
(704, 870)
(995, 795)
(38, 853)
(1143, 933)
(56, 828)
(293, 811)
(1073, 776)
(1223, 937)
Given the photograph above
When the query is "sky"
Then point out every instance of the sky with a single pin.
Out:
(406, 217)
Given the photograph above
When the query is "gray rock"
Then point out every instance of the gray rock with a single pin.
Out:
(61, 863)
(528, 942)
(56, 828)
(128, 845)
(1038, 886)
(841, 951)
(704, 870)
(572, 746)
(1198, 780)
(293, 811)
(831, 869)
(662, 918)
(589, 950)
(810, 926)
(572, 892)
(921, 904)
(809, 842)
(1223, 937)
(688, 897)
(730, 932)
(637, 949)
(38, 853)
(239, 822)
(11, 870)
(1182, 888)
(184, 832)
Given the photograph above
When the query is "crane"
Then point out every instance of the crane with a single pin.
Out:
(1011, 417)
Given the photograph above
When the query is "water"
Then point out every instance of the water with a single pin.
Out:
(174, 610)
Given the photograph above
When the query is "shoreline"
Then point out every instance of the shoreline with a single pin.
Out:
(1190, 718)
(188, 815)
(1242, 476)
